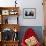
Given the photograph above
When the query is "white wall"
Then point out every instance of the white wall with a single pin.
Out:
(27, 4)
(39, 13)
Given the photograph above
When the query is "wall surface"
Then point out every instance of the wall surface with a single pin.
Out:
(39, 21)
(39, 13)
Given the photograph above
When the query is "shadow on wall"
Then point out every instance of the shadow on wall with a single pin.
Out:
(37, 29)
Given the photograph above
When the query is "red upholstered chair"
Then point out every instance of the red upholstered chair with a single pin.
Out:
(29, 33)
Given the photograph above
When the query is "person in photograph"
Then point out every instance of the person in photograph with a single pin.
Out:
(31, 13)
(26, 13)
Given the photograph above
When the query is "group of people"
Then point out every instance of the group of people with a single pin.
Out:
(31, 13)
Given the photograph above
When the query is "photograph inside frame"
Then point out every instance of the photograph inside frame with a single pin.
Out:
(29, 13)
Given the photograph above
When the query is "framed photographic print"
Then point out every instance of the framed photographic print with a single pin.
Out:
(29, 13)
(13, 12)
(5, 12)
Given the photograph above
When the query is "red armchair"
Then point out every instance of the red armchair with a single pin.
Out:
(28, 35)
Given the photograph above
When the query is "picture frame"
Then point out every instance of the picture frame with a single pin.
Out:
(5, 12)
(13, 12)
(29, 13)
